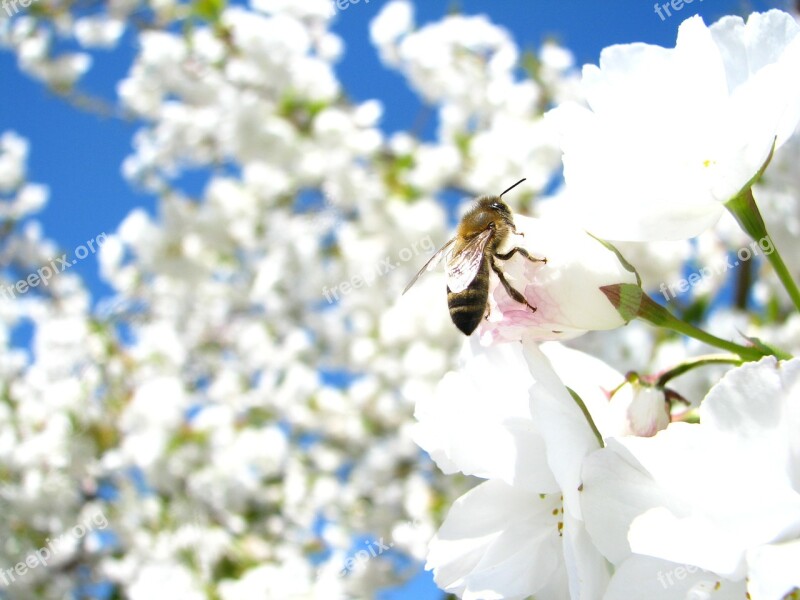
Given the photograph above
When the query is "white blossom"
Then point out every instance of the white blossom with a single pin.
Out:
(720, 495)
(673, 134)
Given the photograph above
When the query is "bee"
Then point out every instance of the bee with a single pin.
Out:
(471, 253)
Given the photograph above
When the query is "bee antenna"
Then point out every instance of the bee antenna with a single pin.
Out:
(513, 186)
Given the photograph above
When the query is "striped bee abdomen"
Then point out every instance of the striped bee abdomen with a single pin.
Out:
(468, 306)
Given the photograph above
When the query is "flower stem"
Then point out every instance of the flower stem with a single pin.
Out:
(695, 362)
(744, 209)
(631, 302)
(658, 315)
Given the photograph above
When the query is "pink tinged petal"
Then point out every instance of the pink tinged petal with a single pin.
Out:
(656, 579)
(479, 420)
(565, 291)
(497, 542)
(567, 435)
(774, 570)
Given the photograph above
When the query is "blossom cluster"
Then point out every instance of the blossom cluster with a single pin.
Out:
(598, 483)
(240, 432)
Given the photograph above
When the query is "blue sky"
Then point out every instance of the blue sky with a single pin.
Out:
(78, 155)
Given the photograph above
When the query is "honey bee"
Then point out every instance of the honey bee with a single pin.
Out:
(471, 252)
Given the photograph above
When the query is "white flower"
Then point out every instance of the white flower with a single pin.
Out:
(98, 31)
(520, 533)
(722, 495)
(173, 579)
(446, 61)
(565, 290)
(500, 542)
(309, 8)
(13, 154)
(673, 134)
(395, 20)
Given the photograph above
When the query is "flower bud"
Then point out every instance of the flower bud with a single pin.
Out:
(637, 409)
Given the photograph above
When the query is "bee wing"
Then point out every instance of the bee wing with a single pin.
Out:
(433, 261)
(463, 267)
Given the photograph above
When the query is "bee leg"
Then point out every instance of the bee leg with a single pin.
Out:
(515, 294)
(522, 251)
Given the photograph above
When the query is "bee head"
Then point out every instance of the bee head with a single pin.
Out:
(498, 207)
(495, 204)
(489, 212)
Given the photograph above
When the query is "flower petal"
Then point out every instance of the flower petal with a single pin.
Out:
(565, 290)
(656, 579)
(774, 570)
(673, 134)
(497, 542)
(567, 434)
(479, 420)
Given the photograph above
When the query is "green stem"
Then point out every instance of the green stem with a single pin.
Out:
(744, 209)
(658, 315)
(631, 302)
(695, 362)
